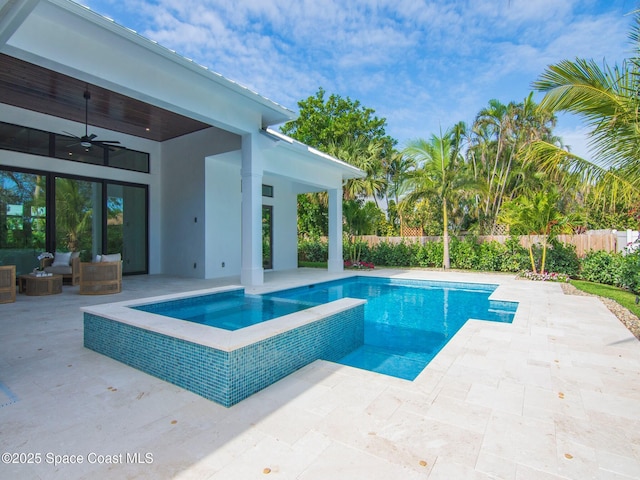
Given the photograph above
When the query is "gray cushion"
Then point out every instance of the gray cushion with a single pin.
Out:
(59, 270)
(114, 257)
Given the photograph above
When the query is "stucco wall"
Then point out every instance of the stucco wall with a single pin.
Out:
(184, 183)
(223, 216)
(284, 201)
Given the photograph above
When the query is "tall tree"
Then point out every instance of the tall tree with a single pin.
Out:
(499, 139)
(366, 155)
(323, 121)
(440, 174)
(344, 128)
(398, 168)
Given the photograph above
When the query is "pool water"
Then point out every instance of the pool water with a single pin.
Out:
(406, 322)
(229, 311)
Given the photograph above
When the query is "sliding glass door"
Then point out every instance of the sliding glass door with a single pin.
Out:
(78, 217)
(127, 225)
(23, 219)
(48, 212)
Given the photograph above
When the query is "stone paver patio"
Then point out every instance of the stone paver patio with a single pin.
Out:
(555, 395)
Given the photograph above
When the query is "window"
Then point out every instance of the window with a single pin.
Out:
(65, 147)
(267, 237)
(23, 219)
(69, 148)
(23, 139)
(267, 191)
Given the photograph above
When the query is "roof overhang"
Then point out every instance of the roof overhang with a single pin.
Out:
(53, 49)
(346, 170)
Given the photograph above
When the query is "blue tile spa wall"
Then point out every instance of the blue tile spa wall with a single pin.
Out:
(226, 377)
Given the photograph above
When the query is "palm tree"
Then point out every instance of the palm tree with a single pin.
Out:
(358, 221)
(440, 174)
(498, 139)
(608, 101)
(492, 124)
(534, 215)
(398, 171)
(366, 155)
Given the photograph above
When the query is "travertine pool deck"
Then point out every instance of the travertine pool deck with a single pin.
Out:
(555, 395)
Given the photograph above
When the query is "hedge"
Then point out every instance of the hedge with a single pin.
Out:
(622, 270)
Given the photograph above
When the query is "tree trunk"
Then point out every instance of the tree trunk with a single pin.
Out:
(544, 253)
(445, 236)
(533, 262)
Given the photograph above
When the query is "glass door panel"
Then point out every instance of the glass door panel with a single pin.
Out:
(78, 217)
(267, 237)
(127, 226)
(22, 219)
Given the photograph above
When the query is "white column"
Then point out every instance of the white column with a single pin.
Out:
(336, 262)
(252, 273)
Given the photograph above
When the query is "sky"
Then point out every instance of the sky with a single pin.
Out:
(423, 65)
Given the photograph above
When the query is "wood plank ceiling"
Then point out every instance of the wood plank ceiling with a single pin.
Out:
(35, 88)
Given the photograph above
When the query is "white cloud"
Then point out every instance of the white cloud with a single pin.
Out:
(419, 63)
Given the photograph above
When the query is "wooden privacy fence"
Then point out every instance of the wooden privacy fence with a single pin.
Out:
(584, 242)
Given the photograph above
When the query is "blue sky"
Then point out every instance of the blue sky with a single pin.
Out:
(423, 65)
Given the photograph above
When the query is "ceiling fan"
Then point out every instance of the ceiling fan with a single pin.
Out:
(87, 141)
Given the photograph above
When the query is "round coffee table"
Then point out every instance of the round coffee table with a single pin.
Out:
(34, 285)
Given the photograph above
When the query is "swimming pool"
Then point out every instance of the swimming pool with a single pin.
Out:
(406, 322)
(222, 365)
(389, 326)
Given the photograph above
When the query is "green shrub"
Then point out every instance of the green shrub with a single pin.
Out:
(430, 254)
(617, 269)
(514, 257)
(462, 254)
(313, 250)
(491, 256)
(600, 267)
(400, 256)
(562, 258)
(597, 266)
(380, 253)
(355, 250)
(628, 272)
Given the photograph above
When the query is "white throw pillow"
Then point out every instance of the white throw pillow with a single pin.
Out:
(114, 257)
(61, 259)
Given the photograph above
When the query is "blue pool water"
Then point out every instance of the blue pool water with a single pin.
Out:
(229, 311)
(407, 322)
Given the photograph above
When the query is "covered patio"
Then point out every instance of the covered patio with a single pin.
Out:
(552, 396)
(185, 163)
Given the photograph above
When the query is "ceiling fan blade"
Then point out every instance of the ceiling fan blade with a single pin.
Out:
(71, 135)
(87, 140)
(103, 145)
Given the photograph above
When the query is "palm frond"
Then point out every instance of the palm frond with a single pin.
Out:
(607, 99)
(551, 158)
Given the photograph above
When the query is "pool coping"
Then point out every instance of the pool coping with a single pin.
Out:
(217, 338)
